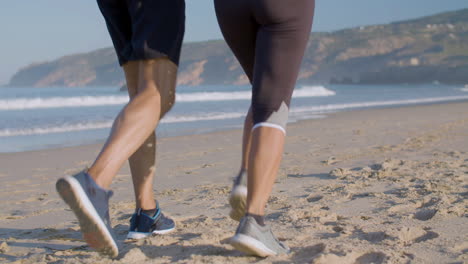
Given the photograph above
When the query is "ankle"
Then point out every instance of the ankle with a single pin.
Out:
(150, 212)
(147, 204)
(98, 180)
(255, 209)
(149, 208)
(260, 219)
(95, 183)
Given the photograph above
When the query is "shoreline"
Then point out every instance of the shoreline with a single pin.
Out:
(367, 186)
(221, 130)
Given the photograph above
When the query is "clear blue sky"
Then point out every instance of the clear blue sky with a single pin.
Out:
(41, 30)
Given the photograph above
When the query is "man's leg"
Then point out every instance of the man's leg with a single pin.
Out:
(142, 162)
(137, 121)
(148, 218)
(89, 198)
(142, 166)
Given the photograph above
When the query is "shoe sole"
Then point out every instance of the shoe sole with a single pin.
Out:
(94, 230)
(238, 201)
(250, 246)
(141, 235)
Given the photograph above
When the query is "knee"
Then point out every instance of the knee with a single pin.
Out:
(161, 98)
(153, 96)
(167, 102)
(271, 117)
(159, 78)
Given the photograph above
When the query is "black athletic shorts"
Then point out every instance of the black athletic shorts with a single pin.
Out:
(145, 29)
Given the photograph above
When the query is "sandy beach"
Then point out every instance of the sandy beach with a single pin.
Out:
(367, 186)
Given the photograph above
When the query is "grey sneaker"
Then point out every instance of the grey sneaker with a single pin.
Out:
(254, 239)
(90, 203)
(238, 196)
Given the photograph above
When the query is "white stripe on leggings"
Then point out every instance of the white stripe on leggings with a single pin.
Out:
(265, 124)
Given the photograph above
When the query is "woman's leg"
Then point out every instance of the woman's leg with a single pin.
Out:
(280, 45)
(265, 158)
(239, 31)
(246, 140)
(137, 121)
(281, 42)
(232, 16)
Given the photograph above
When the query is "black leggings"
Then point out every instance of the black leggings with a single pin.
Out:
(268, 37)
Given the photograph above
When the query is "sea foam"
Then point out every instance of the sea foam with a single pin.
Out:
(296, 111)
(93, 101)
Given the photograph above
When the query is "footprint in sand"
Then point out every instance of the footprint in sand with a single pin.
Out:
(428, 236)
(374, 237)
(303, 255)
(429, 201)
(340, 173)
(401, 208)
(372, 257)
(407, 235)
(314, 198)
(410, 235)
(425, 214)
(461, 248)
(352, 258)
(134, 255)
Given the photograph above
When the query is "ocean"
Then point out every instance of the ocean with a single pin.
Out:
(40, 118)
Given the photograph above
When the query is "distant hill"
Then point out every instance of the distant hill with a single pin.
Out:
(428, 49)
